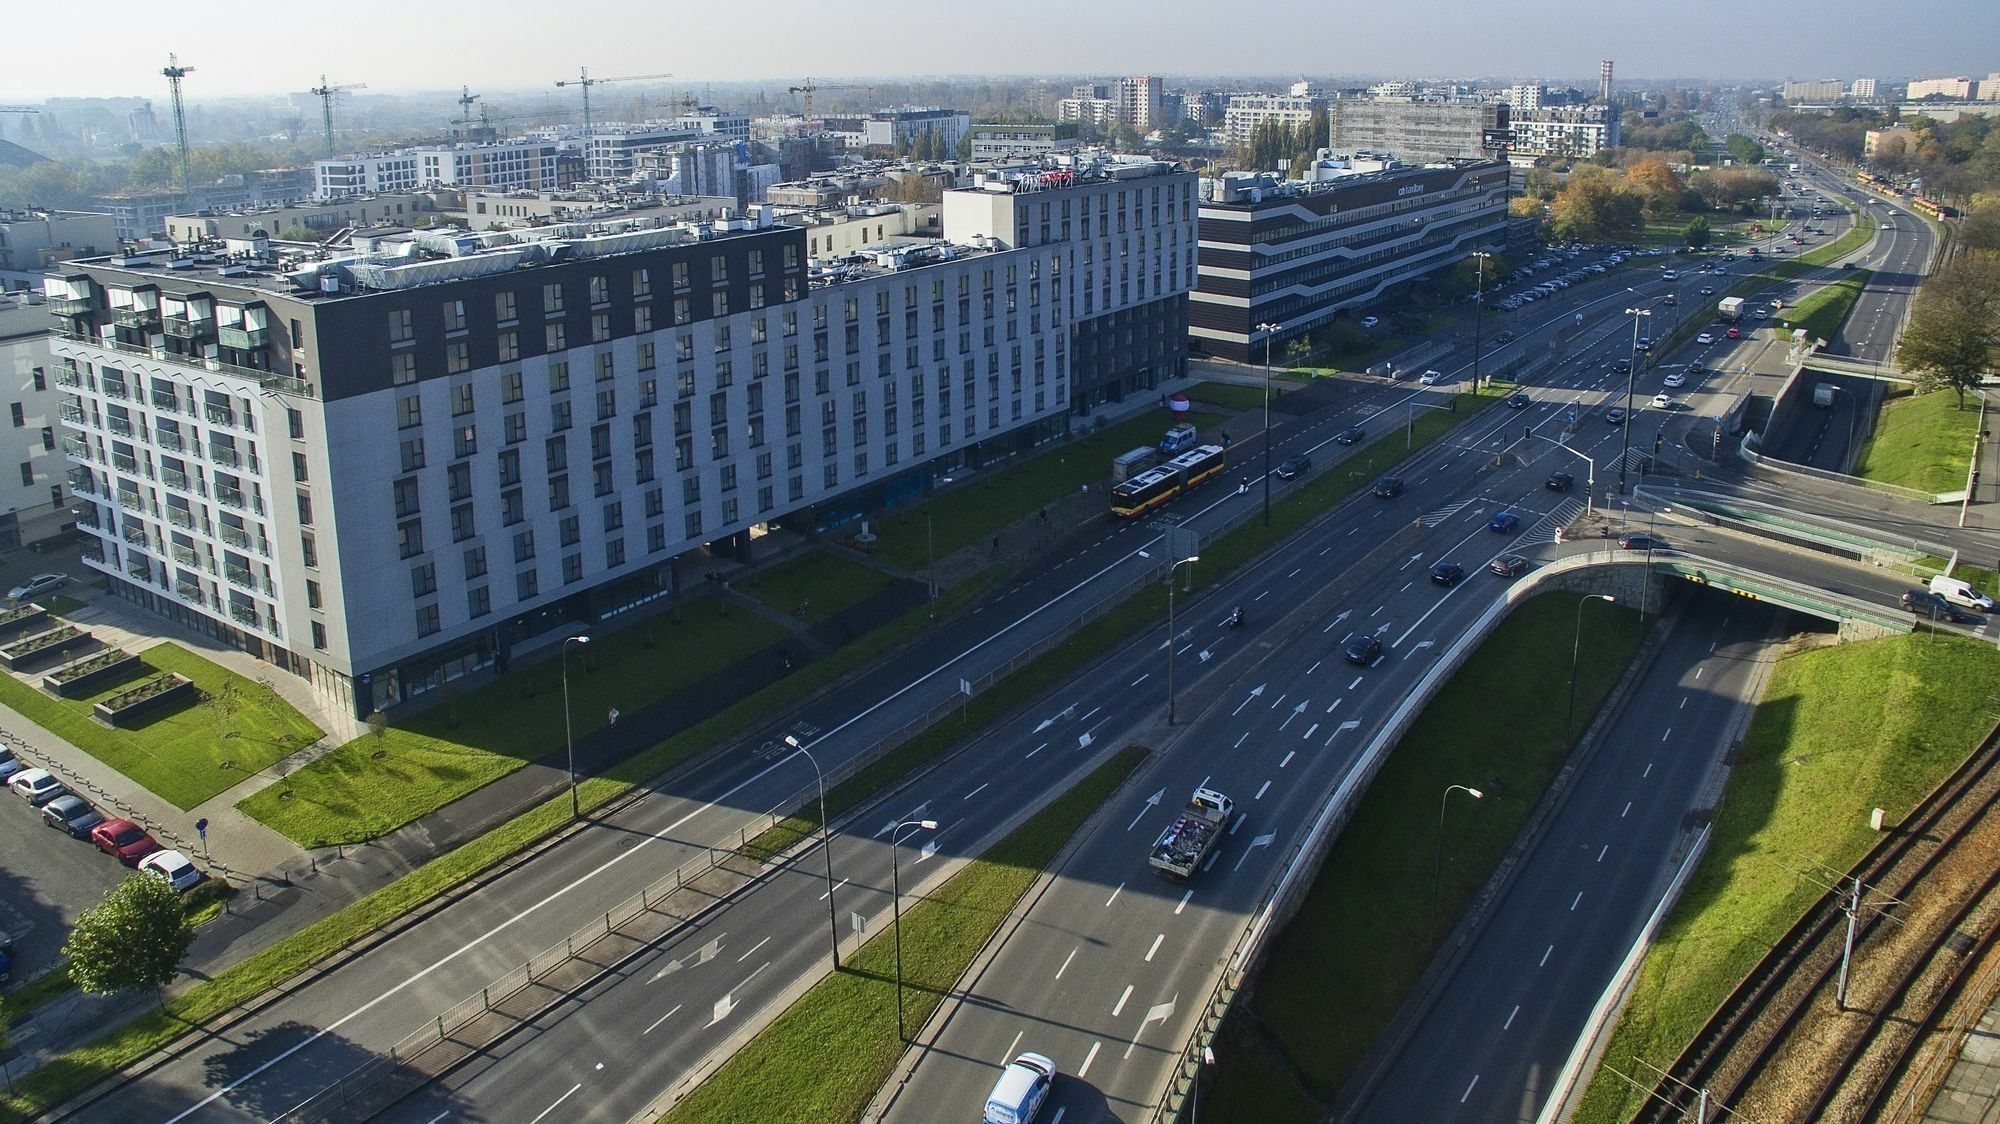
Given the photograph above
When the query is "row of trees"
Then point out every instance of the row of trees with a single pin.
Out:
(1596, 203)
(1273, 142)
(71, 183)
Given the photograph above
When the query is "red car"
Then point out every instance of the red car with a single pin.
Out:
(1734, 333)
(124, 839)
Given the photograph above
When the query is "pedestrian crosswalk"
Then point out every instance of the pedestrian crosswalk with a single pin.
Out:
(1434, 518)
(1544, 529)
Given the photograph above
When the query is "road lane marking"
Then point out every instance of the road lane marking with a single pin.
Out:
(1233, 828)
(1545, 956)
(1214, 855)
(1241, 739)
(559, 1100)
(976, 791)
(1289, 754)
(1059, 972)
(1118, 1008)
(1601, 851)
(1356, 683)
(837, 886)
(1648, 772)
(1009, 1055)
(1307, 736)
(1468, 1089)
(1666, 733)
(1508, 1025)
(1114, 895)
(661, 1019)
(1141, 679)
(1627, 811)
(1084, 1069)
(1336, 702)
(1183, 903)
(1036, 750)
(1574, 902)
(1155, 948)
(1262, 789)
(753, 949)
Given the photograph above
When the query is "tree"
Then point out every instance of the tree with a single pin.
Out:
(1746, 151)
(1697, 234)
(134, 938)
(1981, 229)
(1952, 331)
(1656, 184)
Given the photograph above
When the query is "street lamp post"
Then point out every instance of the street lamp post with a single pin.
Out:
(1437, 862)
(569, 740)
(1270, 333)
(1478, 308)
(896, 902)
(1576, 648)
(1170, 624)
(825, 845)
(1631, 373)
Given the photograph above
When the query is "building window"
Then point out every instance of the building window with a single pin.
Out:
(558, 492)
(461, 398)
(600, 291)
(552, 298)
(409, 412)
(559, 416)
(461, 522)
(319, 636)
(503, 307)
(454, 316)
(427, 620)
(299, 467)
(478, 602)
(308, 549)
(305, 502)
(423, 579)
(527, 584)
(403, 368)
(555, 336)
(410, 538)
(402, 325)
(475, 562)
(524, 545)
(510, 346)
(572, 566)
(20, 416)
(297, 423)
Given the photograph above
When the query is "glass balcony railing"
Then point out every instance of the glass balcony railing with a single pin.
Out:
(72, 306)
(68, 377)
(269, 380)
(242, 338)
(182, 328)
(77, 448)
(72, 414)
(181, 517)
(135, 533)
(163, 400)
(244, 614)
(135, 317)
(190, 592)
(224, 454)
(175, 478)
(113, 389)
(120, 426)
(231, 497)
(140, 569)
(131, 501)
(235, 536)
(124, 463)
(185, 555)
(83, 482)
(168, 439)
(238, 575)
(219, 415)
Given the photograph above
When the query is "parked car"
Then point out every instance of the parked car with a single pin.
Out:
(173, 866)
(1642, 541)
(9, 762)
(36, 786)
(1559, 482)
(36, 586)
(73, 814)
(123, 839)
(1389, 487)
(1362, 650)
(1447, 574)
(1294, 465)
(1508, 565)
(1350, 435)
(1504, 522)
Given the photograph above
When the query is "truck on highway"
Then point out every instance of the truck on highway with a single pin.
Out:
(1193, 834)
(1731, 308)
(1823, 394)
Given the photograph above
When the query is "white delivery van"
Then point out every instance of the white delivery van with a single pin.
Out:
(1961, 593)
(1019, 1093)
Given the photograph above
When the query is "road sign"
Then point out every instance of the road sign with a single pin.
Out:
(201, 828)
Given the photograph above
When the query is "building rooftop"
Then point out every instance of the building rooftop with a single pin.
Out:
(23, 315)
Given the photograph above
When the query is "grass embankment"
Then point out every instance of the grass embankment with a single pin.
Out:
(815, 585)
(1823, 313)
(1921, 441)
(1497, 725)
(184, 756)
(374, 784)
(784, 1073)
(1984, 580)
(1838, 732)
(1236, 396)
(968, 514)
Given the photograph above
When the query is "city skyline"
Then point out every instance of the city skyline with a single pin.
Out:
(1705, 40)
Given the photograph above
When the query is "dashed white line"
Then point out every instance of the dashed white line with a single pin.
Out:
(1036, 750)
(1648, 772)
(1666, 733)
(1064, 968)
(1627, 811)
(1141, 679)
(975, 792)
(1508, 1025)
(837, 886)
(1574, 902)
(1183, 903)
(661, 1019)
(559, 1100)
(1305, 736)
(753, 948)
(1356, 683)
(1239, 740)
(1154, 949)
(1084, 1069)
(1468, 1089)
(1118, 1008)
(1261, 790)
(1289, 754)
(1545, 956)
(1601, 851)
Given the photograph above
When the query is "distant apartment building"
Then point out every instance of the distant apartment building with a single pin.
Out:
(1138, 102)
(1820, 91)
(32, 496)
(840, 232)
(136, 214)
(33, 238)
(1097, 112)
(888, 129)
(387, 468)
(1862, 89)
(1574, 131)
(1418, 132)
(503, 165)
(1524, 97)
(1299, 253)
(1017, 142)
(712, 123)
(611, 152)
(514, 209)
(1247, 111)
(323, 218)
(1952, 89)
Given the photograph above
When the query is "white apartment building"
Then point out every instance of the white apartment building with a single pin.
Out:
(502, 165)
(1575, 131)
(1956, 89)
(1862, 89)
(611, 152)
(1247, 111)
(383, 470)
(33, 498)
(33, 238)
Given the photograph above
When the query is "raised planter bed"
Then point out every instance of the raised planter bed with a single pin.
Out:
(43, 647)
(91, 674)
(162, 692)
(21, 620)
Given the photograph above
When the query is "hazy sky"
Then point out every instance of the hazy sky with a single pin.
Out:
(85, 48)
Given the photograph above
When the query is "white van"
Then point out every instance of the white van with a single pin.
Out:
(1961, 593)
(1019, 1093)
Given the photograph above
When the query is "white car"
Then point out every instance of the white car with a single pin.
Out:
(174, 867)
(1663, 401)
(1018, 1095)
(1675, 378)
(1370, 321)
(36, 586)
(36, 786)
(1432, 378)
(1705, 337)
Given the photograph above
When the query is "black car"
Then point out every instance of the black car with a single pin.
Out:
(1350, 435)
(1559, 482)
(1642, 541)
(1620, 366)
(1517, 401)
(1506, 337)
(1362, 650)
(1389, 487)
(1508, 565)
(1924, 603)
(1447, 574)
(1294, 465)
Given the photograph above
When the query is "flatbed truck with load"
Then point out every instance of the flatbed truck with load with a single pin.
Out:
(1731, 308)
(1193, 834)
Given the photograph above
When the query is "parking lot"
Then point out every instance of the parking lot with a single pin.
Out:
(48, 879)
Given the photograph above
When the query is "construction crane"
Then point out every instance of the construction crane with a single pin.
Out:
(465, 99)
(584, 80)
(326, 92)
(174, 72)
(809, 87)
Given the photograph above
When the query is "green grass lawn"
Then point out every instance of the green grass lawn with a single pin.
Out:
(61, 604)
(1838, 732)
(1497, 725)
(821, 581)
(1825, 310)
(1921, 441)
(421, 763)
(186, 756)
(1236, 396)
(784, 1073)
(997, 497)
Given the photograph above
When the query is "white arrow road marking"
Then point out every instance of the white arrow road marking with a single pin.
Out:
(1152, 802)
(1255, 842)
(1159, 1012)
(930, 848)
(1254, 692)
(1083, 740)
(915, 813)
(705, 954)
(1341, 729)
(1335, 623)
(1296, 711)
(727, 1003)
(1421, 645)
(1204, 655)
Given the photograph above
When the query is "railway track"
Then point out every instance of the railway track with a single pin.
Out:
(1751, 1057)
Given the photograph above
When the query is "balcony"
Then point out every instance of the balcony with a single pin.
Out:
(87, 519)
(219, 415)
(184, 555)
(166, 401)
(269, 380)
(244, 339)
(231, 497)
(76, 448)
(225, 454)
(190, 591)
(83, 482)
(72, 414)
(175, 478)
(140, 570)
(135, 533)
(113, 389)
(181, 328)
(67, 377)
(245, 614)
(125, 463)
(135, 317)
(235, 536)
(72, 306)
(120, 426)
(130, 501)
(168, 439)
(181, 517)
(240, 576)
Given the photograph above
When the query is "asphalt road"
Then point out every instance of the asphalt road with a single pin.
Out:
(49, 879)
(1502, 1026)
